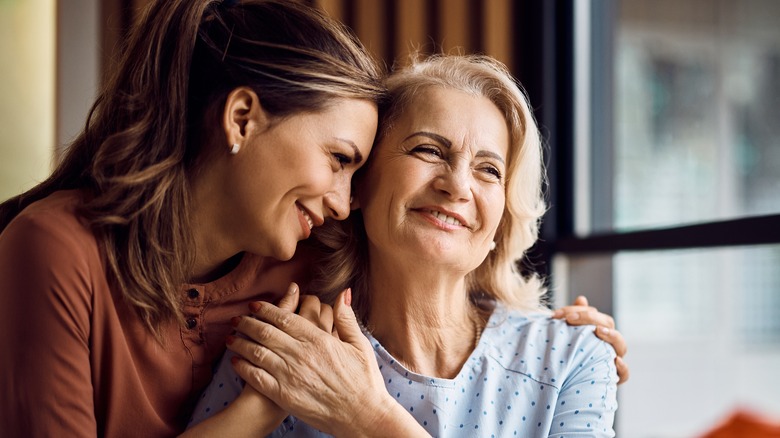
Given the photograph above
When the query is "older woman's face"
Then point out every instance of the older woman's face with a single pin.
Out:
(435, 187)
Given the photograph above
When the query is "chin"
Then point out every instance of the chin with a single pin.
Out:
(285, 252)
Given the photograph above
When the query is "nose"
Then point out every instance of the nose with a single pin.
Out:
(455, 182)
(337, 200)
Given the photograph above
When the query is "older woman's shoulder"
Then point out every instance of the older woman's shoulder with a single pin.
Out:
(545, 349)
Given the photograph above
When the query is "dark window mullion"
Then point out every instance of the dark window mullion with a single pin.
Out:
(737, 232)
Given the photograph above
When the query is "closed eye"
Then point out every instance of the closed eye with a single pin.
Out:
(493, 171)
(342, 160)
(428, 150)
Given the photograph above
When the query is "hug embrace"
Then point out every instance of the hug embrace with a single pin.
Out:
(229, 134)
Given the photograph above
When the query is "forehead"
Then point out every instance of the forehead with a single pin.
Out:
(463, 118)
(349, 123)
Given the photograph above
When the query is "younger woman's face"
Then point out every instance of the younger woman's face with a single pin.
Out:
(297, 172)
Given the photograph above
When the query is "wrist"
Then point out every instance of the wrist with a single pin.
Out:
(386, 418)
(253, 401)
(258, 411)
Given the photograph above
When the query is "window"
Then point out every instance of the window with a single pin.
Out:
(664, 129)
(696, 105)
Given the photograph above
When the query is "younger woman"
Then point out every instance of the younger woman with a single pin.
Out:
(228, 132)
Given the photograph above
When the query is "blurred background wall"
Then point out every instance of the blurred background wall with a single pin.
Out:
(662, 119)
(27, 84)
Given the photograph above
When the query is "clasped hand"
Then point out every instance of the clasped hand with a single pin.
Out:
(323, 373)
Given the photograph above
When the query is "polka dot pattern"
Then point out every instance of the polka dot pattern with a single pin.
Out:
(528, 376)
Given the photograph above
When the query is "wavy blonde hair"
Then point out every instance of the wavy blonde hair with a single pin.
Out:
(154, 123)
(343, 246)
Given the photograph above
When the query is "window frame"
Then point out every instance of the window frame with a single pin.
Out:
(546, 63)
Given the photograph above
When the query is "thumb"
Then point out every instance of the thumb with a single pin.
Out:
(581, 301)
(345, 320)
(290, 300)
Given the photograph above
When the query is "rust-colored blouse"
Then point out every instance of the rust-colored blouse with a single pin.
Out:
(75, 360)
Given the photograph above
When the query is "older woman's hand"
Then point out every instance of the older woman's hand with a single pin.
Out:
(580, 313)
(331, 382)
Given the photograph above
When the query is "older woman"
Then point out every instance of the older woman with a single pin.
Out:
(455, 341)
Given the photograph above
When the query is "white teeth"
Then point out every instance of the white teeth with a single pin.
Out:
(446, 219)
(308, 218)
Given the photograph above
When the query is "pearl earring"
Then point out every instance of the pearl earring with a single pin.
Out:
(492, 245)
(234, 148)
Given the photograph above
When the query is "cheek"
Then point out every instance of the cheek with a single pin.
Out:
(320, 179)
(493, 209)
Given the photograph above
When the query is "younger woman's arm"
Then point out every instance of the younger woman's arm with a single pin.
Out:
(228, 407)
(46, 266)
(331, 382)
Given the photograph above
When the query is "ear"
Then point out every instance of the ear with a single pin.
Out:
(242, 117)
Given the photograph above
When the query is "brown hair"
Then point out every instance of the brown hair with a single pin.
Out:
(148, 129)
(344, 245)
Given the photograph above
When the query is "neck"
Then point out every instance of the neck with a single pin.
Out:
(215, 252)
(423, 317)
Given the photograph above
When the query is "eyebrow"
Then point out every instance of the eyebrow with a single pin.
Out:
(491, 154)
(448, 144)
(432, 136)
(355, 150)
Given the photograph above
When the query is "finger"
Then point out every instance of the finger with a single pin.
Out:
(282, 319)
(291, 326)
(567, 310)
(614, 338)
(317, 312)
(290, 300)
(588, 316)
(326, 318)
(263, 333)
(259, 379)
(580, 304)
(345, 320)
(310, 308)
(622, 370)
(254, 353)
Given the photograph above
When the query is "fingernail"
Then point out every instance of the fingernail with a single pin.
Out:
(573, 317)
(254, 306)
(348, 297)
(557, 313)
(234, 360)
(229, 340)
(604, 330)
(293, 289)
(235, 320)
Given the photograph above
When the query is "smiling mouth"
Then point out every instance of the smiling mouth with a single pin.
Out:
(307, 217)
(444, 218)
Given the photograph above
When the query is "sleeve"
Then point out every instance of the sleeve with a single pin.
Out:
(225, 387)
(587, 400)
(45, 307)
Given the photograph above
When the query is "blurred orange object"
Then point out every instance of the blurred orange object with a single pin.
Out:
(744, 424)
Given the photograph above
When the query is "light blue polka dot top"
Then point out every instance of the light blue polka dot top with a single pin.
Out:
(529, 376)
